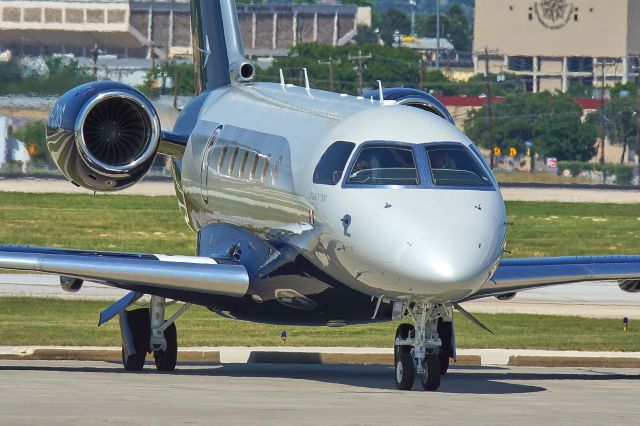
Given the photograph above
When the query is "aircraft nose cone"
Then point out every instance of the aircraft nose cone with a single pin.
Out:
(445, 264)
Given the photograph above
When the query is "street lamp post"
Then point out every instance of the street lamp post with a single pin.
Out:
(437, 34)
(412, 4)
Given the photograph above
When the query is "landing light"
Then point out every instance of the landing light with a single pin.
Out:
(443, 268)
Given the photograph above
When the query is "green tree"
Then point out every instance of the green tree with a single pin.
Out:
(619, 119)
(501, 85)
(34, 138)
(389, 22)
(366, 35)
(156, 81)
(361, 3)
(61, 77)
(580, 90)
(9, 72)
(393, 66)
(454, 26)
(552, 122)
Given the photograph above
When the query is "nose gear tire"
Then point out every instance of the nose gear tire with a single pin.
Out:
(405, 372)
(431, 379)
(166, 360)
(444, 363)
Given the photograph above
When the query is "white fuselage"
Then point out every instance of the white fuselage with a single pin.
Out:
(256, 172)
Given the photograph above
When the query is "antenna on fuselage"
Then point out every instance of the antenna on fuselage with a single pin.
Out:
(282, 83)
(306, 82)
(380, 92)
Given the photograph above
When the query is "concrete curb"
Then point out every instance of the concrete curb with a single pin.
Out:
(267, 357)
(110, 355)
(560, 361)
(332, 356)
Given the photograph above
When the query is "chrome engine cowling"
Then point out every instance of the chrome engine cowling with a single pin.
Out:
(103, 135)
(413, 98)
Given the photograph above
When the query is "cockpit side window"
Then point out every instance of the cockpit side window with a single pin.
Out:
(454, 165)
(384, 165)
(332, 163)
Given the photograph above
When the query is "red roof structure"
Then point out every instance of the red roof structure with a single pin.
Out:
(479, 101)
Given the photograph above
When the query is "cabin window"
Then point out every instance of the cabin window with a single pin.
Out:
(265, 168)
(221, 158)
(454, 165)
(276, 170)
(232, 162)
(254, 166)
(384, 165)
(243, 163)
(331, 165)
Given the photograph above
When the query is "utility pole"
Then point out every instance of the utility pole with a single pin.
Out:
(176, 88)
(602, 119)
(330, 63)
(637, 118)
(421, 68)
(360, 68)
(94, 57)
(438, 34)
(487, 83)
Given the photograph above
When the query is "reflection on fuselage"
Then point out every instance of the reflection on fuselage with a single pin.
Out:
(374, 219)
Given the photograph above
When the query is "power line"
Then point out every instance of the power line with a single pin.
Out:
(360, 59)
(330, 63)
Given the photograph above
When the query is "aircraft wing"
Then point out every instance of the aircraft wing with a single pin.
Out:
(177, 277)
(513, 275)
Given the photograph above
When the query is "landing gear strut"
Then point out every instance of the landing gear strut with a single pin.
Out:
(145, 331)
(418, 348)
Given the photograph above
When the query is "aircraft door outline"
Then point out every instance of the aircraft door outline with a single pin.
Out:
(206, 159)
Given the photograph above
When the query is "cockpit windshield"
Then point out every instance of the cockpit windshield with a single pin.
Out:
(384, 165)
(454, 165)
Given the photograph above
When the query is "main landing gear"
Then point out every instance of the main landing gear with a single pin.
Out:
(419, 350)
(146, 331)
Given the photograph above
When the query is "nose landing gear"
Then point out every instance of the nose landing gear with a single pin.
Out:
(418, 348)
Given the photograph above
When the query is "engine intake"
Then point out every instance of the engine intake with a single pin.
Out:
(103, 136)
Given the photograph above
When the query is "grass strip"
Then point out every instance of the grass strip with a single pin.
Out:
(41, 321)
(155, 224)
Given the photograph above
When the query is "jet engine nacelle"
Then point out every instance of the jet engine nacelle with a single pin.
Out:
(103, 135)
(630, 286)
(506, 296)
(413, 98)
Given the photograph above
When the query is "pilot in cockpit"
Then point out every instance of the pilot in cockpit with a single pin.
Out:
(440, 159)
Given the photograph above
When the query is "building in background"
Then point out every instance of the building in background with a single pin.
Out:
(138, 28)
(428, 49)
(554, 43)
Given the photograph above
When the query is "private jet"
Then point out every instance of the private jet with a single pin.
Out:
(308, 207)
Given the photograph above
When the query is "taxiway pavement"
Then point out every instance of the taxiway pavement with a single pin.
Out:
(65, 392)
(165, 187)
